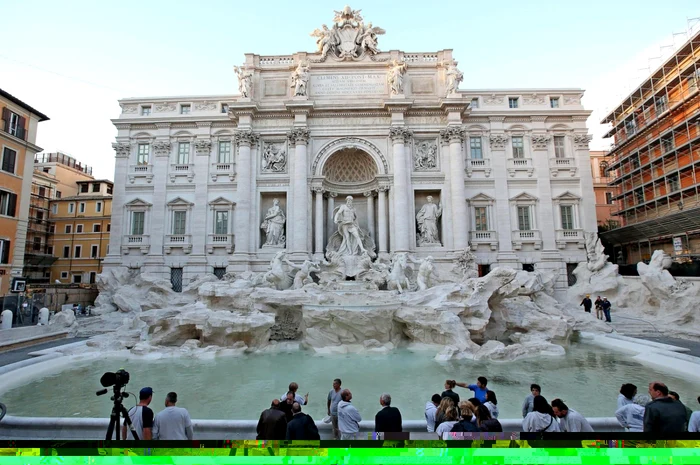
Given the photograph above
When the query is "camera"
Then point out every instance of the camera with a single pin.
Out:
(119, 378)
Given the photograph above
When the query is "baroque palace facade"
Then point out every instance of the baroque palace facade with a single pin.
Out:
(223, 183)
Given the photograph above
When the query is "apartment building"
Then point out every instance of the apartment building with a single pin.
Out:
(604, 194)
(38, 253)
(18, 130)
(656, 155)
(81, 225)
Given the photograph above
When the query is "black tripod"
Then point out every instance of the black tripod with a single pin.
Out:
(118, 410)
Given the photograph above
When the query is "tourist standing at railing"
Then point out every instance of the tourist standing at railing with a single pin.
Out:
(348, 417)
(479, 388)
(694, 423)
(663, 414)
(631, 416)
(333, 400)
(626, 396)
(141, 417)
(492, 404)
(173, 423)
(442, 409)
(674, 395)
(486, 422)
(272, 425)
(541, 419)
(388, 419)
(302, 427)
(431, 411)
(528, 404)
(286, 406)
(451, 417)
(293, 387)
(570, 421)
(467, 420)
(448, 392)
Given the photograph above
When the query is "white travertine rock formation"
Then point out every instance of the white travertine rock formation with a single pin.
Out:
(63, 319)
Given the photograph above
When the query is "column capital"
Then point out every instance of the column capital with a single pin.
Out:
(298, 136)
(162, 148)
(246, 137)
(382, 189)
(317, 190)
(581, 141)
(122, 149)
(539, 141)
(498, 141)
(202, 147)
(400, 134)
(452, 134)
(368, 194)
(331, 195)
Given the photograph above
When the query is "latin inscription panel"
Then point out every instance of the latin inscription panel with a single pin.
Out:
(348, 84)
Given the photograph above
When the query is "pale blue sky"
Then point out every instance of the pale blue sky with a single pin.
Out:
(74, 59)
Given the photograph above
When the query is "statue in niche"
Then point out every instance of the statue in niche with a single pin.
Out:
(274, 159)
(300, 78)
(395, 77)
(425, 270)
(454, 76)
(245, 82)
(303, 276)
(273, 225)
(279, 276)
(425, 157)
(427, 219)
(349, 230)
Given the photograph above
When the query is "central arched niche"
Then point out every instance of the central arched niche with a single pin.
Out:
(349, 166)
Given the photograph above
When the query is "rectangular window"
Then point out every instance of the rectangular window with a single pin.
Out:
(109, 227)
(179, 222)
(64, 274)
(81, 207)
(475, 102)
(225, 151)
(4, 251)
(219, 272)
(109, 189)
(672, 182)
(512, 102)
(475, 148)
(69, 228)
(78, 251)
(146, 110)
(567, 216)
(77, 278)
(608, 198)
(96, 187)
(66, 251)
(54, 208)
(9, 158)
(142, 154)
(78, 228)
(221, 222)
(36, 245)
(49, 250)
(481, 220)
(634, 159)
(93, 277)
(96, 227)
(137, 223)
(224, 108)
(39, 215)
(58, 194)
(667, 143)
(84, 188)
(661, 104)
(185, 109)
(98, 207)
(52, 229)
(183, 153)
(524, 219)
(8, 203)
(554, 102)
(559, 150)
(14, 124)
(94, 251)
(42, 191)
(176, 279)
(71, 207)
(518, 147)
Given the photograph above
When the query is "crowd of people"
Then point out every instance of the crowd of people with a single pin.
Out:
(661, 411)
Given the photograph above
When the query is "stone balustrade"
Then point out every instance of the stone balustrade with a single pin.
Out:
(530, 236)
(520, 164)
(140, 171)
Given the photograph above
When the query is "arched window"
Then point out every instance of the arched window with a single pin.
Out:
(603, 169)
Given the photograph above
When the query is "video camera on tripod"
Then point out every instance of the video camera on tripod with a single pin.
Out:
(118, 380)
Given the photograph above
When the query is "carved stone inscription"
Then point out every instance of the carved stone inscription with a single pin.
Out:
(348, 84)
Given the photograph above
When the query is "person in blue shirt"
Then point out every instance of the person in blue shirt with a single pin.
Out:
(479, 388)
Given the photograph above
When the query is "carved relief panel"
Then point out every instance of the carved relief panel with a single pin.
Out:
(274, 157)
(425, 155)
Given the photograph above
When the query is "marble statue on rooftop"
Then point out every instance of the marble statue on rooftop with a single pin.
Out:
(454, 76)
(395, 77)
(245, 82)
(300, 79)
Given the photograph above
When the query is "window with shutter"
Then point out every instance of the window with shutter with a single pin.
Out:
(9, 157)
(4, 252)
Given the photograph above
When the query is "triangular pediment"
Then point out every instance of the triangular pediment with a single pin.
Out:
(524, 197)
(567, 196)
(481, 197)
(138, 203)
(179, 201)
(220, 201)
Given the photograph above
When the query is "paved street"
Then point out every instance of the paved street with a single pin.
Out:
(17, 355)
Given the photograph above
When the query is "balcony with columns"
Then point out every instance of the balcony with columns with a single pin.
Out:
(478, 164)
(557, 165)
(223, 169)
(177, 170)
(140, 171)
(221, 241)
(565, 237)
(136, 241)
(178, 241)
(520, 164)
(522, 237)
(489, 238)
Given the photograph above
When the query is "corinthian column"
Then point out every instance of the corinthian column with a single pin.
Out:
(382, 220)
(454, 135)
(318, 224)
(244, 140)
(299, 138)
(399, 137)
(370, 214)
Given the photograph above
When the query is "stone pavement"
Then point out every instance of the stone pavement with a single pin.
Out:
(18, 355)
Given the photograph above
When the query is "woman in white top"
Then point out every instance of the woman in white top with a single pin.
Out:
(492, 403)
(541, 419)
(626, 396)
(451, 417)
(631, 416)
